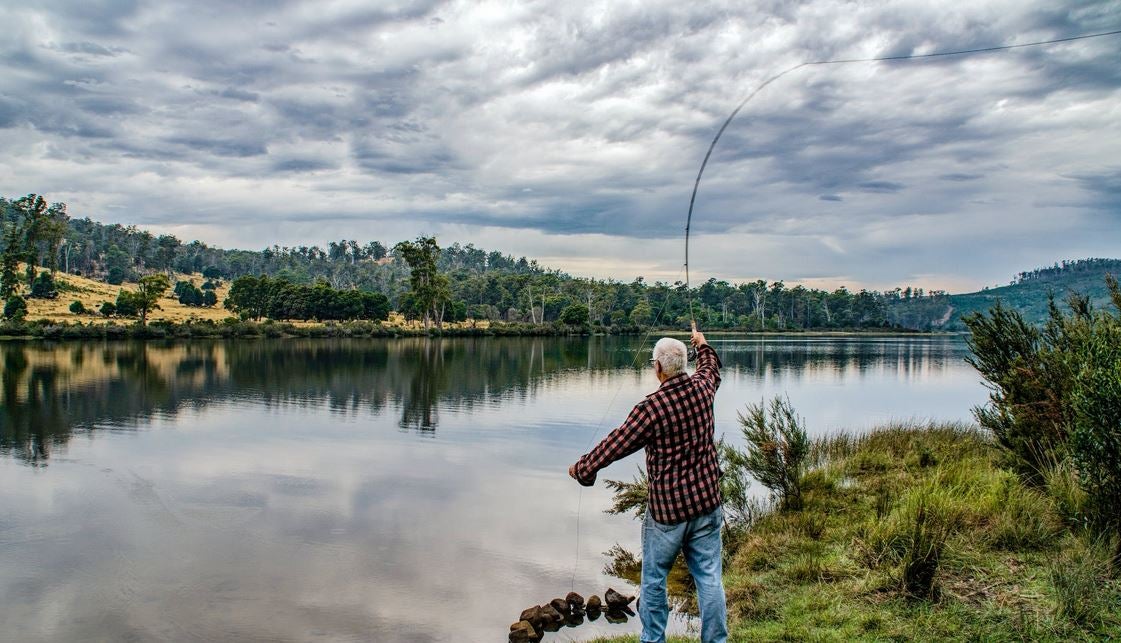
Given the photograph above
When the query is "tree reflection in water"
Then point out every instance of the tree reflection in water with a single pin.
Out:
(51, 392)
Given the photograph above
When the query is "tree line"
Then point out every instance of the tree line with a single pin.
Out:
(437, 284)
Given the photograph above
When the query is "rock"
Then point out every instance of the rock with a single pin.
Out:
(575, 619)
(561, 605)
(594, 604)
(615, 600)
(575, 601)
(593, 614)
(550, 614)
(534, 616)
(523, 632)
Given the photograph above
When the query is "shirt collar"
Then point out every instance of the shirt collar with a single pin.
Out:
(674, 381)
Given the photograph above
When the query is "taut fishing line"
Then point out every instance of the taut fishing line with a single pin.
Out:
(704, 163)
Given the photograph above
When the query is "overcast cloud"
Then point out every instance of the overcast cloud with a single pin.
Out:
(572, 132)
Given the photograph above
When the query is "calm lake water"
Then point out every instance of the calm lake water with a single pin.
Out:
(389, 490)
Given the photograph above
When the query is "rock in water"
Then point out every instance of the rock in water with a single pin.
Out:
(561, 605)
(616, 601)
(575, 601)
(523, 632)
(534, 616)
(594, 604)
(550, 614)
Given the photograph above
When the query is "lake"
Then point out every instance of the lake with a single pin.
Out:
(392, 490)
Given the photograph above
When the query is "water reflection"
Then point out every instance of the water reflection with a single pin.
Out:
(51, 392)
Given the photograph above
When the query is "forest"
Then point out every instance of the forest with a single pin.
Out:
(425, 281)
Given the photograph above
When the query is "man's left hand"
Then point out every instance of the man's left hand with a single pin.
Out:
(572, 473)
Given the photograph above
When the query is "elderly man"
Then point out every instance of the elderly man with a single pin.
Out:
(675, 426)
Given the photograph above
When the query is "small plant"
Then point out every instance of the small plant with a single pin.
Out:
(77, 307)
(630, 496)
(108, 309)
(777, 449)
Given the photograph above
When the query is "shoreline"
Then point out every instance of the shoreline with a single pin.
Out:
(232, 328)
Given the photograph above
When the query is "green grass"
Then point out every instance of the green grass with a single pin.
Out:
(916, 533)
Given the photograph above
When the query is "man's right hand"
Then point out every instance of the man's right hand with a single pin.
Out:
(698, 338)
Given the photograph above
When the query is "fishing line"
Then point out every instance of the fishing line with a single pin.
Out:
(841, 61)
(603, 420)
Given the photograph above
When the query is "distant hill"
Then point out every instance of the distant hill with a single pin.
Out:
(1028, 294)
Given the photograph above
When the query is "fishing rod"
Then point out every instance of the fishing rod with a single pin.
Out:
(840, 61)
(708, 155)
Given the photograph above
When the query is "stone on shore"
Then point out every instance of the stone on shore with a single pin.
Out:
(523, 632)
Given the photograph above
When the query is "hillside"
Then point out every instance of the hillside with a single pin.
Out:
(1029, 295)
(93, 293)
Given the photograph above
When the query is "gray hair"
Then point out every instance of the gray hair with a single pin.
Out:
(671, 354)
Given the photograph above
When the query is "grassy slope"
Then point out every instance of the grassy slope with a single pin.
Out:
(831, 572)
(92, 293)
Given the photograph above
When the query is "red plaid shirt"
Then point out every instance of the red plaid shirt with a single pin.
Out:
(675, 425)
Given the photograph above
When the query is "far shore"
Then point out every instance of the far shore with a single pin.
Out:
(231, 328)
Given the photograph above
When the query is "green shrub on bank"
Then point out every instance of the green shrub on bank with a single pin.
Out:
(1056, 398)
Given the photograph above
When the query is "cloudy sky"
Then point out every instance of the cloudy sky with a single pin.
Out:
(572, 132)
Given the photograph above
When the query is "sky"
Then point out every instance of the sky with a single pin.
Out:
(572, 132)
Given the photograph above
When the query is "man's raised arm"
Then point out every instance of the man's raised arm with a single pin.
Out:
(708, 362)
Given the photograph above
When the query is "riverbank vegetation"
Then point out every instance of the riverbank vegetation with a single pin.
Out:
(1004, 531)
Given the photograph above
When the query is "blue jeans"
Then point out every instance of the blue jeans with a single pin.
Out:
(699, 538)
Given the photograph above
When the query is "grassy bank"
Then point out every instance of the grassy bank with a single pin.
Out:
(916, 533)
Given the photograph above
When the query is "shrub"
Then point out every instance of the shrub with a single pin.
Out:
(127, 304)
(43, 286)
(1096, 429)
(1027, 380)
(108, 309)
(15, 308)
(630, 496)
(77, 307)
(777, 449)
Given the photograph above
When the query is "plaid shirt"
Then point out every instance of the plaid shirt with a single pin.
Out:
(675, 425)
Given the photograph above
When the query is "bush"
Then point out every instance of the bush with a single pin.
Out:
(1027, 378)
(15, 308)
(127, 304)
(777, 449)
(108, 309)
(1095, 443)
(43, 286)
(574, 315)
(77, 307)
(116, 276)
(1057, 391)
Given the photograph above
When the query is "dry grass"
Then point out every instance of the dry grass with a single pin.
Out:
(93, 293)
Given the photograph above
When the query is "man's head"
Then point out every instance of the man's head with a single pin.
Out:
(670, 357)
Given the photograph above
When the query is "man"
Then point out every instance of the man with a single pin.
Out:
(675, 426)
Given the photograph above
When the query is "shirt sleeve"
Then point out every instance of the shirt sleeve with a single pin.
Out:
(631, 436)
(708, 367)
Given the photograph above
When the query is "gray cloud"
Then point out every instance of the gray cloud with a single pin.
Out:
(545, 127)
